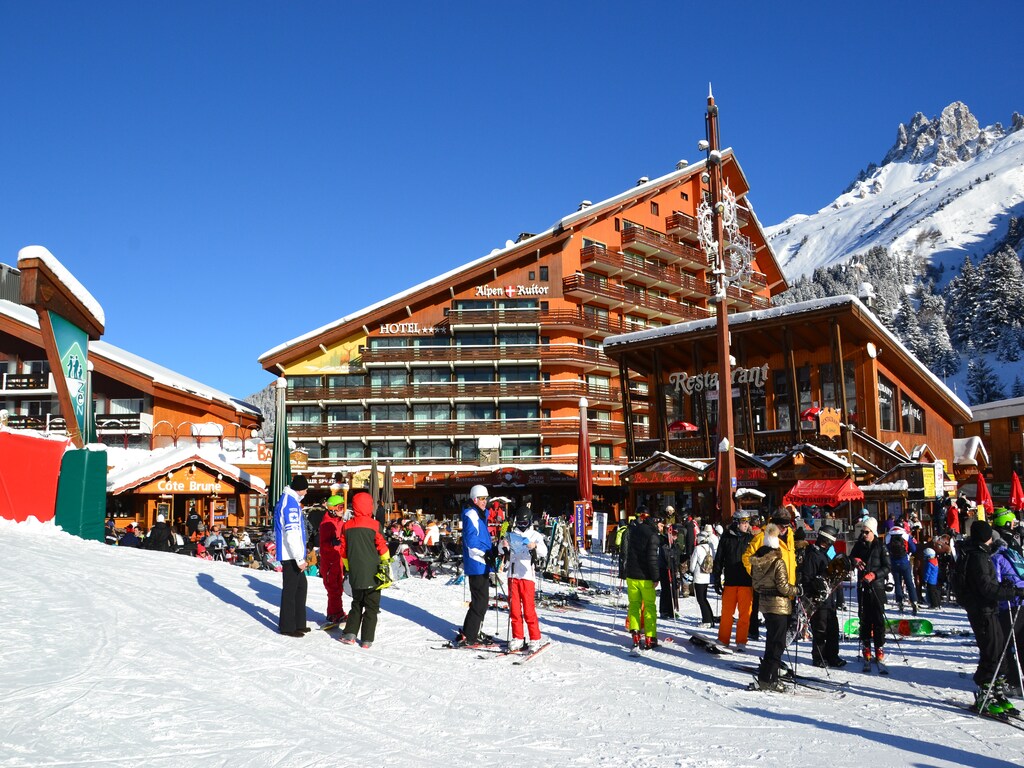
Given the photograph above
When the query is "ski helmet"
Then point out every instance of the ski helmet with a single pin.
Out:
(929, 552)
(478, 492)
(524, 519)
(1003, 518)
(827, 533)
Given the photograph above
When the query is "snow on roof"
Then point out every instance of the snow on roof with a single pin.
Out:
(562, 223)
(65, 278)
(157, 373)
(966, 449)
(786, 310)
(152, 464)
(999, 409)
(894, 487)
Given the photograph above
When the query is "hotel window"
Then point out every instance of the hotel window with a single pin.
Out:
(35, 366)
(474, 339)
(636, 260)
(474, 411)
(474, 375)
(431, 341)
(803, 387)
(886, 404)
(598, 385)
(295, 382)
(543, 306)
(388, 412)
(431, 412)
(305, 414)
(912, 416)
(345, 450)
(467, 450)
(519, 448)
(986, 428)
(587, 243)
(124, 406)
(1014, 424)
(684, 195)
(518, 410)
(432, 449)
(596, 312)
(959, 432)
(313, 450)
(531, 275)
(601, 452)
(635, 322)
(430, 375)
(546, 449)
(337, 413)
(389, 377)
(518, 373)
(347, 380)
(388, 449)
(780, 399)
(384, 342)
(654, 208)
(517, 337)
(627, 224)
(472, 304)
(594, 277)
(1015, 463)
(543, 274)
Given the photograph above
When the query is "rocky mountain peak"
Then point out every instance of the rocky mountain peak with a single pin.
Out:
(951, 137)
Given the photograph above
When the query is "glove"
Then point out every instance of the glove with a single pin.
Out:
(868, 577)
(344, 562)
(799, 590)
(383, 574)
(718, 586)
(858, 564)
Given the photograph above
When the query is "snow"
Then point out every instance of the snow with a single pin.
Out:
(122, 657)
(65, 278)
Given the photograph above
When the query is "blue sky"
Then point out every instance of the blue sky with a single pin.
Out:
(225, 176)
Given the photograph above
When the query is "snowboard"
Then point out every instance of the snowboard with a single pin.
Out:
(902, 627)
(708, 644)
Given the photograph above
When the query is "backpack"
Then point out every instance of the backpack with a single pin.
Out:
(898, 548)
(707, 565)
(958, 579)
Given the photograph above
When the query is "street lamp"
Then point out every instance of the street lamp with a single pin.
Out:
(717, 220)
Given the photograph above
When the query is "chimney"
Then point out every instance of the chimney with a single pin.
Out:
(682, 164)
(642, 180)
(584, 204)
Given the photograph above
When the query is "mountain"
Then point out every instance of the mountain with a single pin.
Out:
(946, 189)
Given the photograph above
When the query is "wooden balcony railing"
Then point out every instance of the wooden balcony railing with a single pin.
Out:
(596, 256)
(488, 352)
(567, 427)
(654, 242)
(612, 295)
(26, 382)
(507, 317)
(454, 390)
(682, 224)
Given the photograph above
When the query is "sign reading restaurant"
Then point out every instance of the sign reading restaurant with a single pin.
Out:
(708, 381)
(511, 291)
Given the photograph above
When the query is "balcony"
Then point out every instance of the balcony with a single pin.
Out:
(588, 357)
(606, 325)
(27, 384)
(433, 428)
(517, 353)
(657, 244)
(598, 259)
(457, 390)
(425, 461)
(589, 288)
(118, 422)
(682, 225)
(505, 318)
(601, 429)
(743, 299)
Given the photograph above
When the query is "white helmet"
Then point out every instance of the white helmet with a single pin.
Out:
(478, 492)
(929, 552)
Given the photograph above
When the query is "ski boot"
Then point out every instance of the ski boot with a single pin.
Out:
(637, 640)
(991, 708)
(650, 642)
(774, 686)
(913, 608)
(867, 657)
(1001, 696)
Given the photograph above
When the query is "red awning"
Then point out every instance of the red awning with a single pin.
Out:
(825, 493)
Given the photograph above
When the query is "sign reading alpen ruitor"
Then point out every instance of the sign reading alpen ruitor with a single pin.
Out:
(708, 381)
(511, 291)
(72, 345)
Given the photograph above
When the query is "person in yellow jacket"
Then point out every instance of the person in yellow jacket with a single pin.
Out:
(782, 518)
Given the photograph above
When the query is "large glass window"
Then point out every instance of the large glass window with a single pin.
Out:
(345, 413)
(472, 304)
(305, 414)
(124, 406)
(388, 412)
(345, 450)
(382, 342)
(830, 396)
(519, 410)
(601, 452)
(518, 373)
(432, 449)
(912, 415)
(347, 380)
(430, 375)
(295, 382)
(388, 377)
(781, 399)
(389, 449)
(474, 374)
(468, 411)
(474, 339)
(519, 448)
(803, 385)
(431, 412)
(517, 337)
(886, 404)
(467, 450)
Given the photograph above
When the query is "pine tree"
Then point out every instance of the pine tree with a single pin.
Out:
(1018, 387)
(983, 386)
(962, 303)
(938, 354)
(1000, 288)
(908, 330)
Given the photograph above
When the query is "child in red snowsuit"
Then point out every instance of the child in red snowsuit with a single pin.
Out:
(331, 569)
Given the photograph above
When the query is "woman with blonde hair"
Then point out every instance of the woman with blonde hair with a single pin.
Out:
(771, 580)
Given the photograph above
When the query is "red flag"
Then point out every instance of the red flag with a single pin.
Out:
(1016, 494)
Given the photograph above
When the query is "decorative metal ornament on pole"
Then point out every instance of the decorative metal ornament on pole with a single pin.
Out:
(718, 222)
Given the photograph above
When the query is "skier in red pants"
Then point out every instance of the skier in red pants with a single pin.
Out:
(331, 570)
(523, 545)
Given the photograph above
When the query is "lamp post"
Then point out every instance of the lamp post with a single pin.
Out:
(717, 220)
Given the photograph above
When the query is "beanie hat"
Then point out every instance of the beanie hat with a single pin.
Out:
(299, 483)
(129, 527)
(981, 531)
(781, 516)
(872, 525)
(524, 519)
(161, 519)
(899, 531)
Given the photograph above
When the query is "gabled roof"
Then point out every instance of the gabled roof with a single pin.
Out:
(161, 461)
(970, 452)
(101, 351)
(999, 409)
(662, 461)
(560, 230)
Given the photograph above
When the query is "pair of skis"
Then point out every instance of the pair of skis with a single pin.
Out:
(496, 650)
(879, 665)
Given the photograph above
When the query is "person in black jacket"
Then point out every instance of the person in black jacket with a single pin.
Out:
(641, 570)
(982, 593)
(814, 578)
(731, 580)
(160, 537)
(668, 572)
(871, 559)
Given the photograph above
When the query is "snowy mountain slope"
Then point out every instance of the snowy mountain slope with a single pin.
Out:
(119, 657)
(946, 188)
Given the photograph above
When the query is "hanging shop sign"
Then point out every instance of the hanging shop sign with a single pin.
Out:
(190, 479)
(708, 380)
(829, 422)
(511, 291)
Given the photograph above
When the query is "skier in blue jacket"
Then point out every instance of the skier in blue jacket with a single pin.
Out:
(290, 531)
(477, 559)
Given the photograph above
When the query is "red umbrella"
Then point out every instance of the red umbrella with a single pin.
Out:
(1016, 494)
(584, 476)
(809, 413)
(682, 426)
(983, 497)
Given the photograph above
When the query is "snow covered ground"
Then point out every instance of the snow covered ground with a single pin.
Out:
(120, 657)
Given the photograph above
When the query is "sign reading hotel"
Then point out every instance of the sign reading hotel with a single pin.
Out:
(511, 291)
(412, 328)
(708, 380)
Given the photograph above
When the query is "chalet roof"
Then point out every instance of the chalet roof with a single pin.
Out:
(857, 321)
(999, 409)
(561, 229)
(155, 372)
(159, 462)
(967, 450)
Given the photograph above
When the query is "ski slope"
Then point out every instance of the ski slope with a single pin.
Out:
(121, 657)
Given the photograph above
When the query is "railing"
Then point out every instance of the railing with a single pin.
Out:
(596, 254)
(620, 295)
(118, 422)
(643, 238)
(19, 382)
(538, 461)
(737, 295)
(682, 223)
(570, 353)
(488, 352)
(776, 441)
(508, 316)
(603, 323)
(448, 390)
(597, 428)
(46, 423)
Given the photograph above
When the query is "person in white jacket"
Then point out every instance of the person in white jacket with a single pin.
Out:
(703, 554)
(523, 545)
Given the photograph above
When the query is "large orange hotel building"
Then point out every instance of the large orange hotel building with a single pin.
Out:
(477, 375)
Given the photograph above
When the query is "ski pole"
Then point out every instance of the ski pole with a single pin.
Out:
(885, 621)
(999, 664)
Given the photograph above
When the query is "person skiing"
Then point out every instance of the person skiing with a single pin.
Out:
(641, 571)
(477, 562)
(1009, 565)
(776, 594)
(871, 558)
(523, 546)
(290, 538)
(366, 560)
(331, 570)
(731, 580)
(824, 621)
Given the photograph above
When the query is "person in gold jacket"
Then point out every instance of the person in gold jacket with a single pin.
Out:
(782, 518)
(773, 582)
